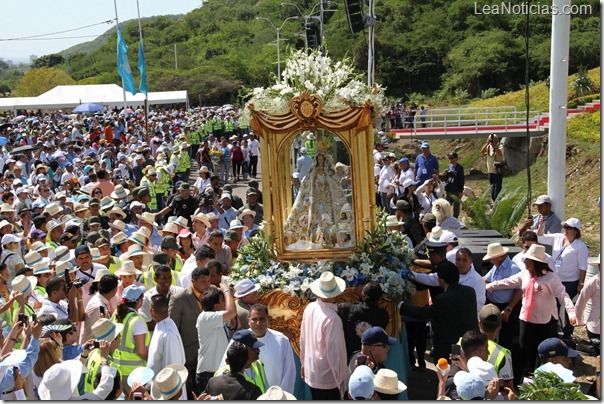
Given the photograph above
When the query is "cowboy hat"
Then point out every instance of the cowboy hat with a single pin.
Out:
(42, 267)
(392, 221)
(138, 238)
(200, 217)
(145, 232)
(236, 224)
(245, 213)
(107, 203)
(245, 287)
(128, 269)
(32, 257)
(495, 250)
(106, 330)
(170, 228)
(53, 209)
(435, 234)
(134, 250)
(39, 246)
(119, 192)
(169, 381)
(60, 381)
(61, 266)
(24, 284)
(147, 217)
(536, 252)
(204, 169)
(276, 393)
(118, 224)
(119, 238)
(328, 285)
(100, 273)
(181, 221)
(53, 224)
(386, 381)
(63, 253)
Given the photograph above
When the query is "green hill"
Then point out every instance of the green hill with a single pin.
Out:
(421, 47)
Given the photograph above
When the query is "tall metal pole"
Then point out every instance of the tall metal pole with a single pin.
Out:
(278, 54)
(370, 51)
(175, 59)
(558, 92)
(145, 103)
(117, 26)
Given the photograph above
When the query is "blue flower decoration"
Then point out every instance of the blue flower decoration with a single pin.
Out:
(389, 257)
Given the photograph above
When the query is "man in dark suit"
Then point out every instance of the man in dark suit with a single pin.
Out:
(233, 385)
(184, 308)
(452, 312)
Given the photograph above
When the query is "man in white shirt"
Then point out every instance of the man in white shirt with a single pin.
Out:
(202, 256)
(386, 177)
(166, 345)
(100, 305)
(277, 354)
(467, 276)
(163, 286)
(254, 146)
(226, 212)
(529, 238)
(303, 163)
(55, 304)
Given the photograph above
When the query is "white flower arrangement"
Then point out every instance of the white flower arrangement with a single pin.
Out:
(383, 257)
(336, 83)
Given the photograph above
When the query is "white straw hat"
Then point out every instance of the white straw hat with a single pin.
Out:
(60, 381)
(276, 393)
(106, 330)
(328, 285)
(128, 269)
(169, 381)
(147, 217)
(495, 250)
(386, 381)
(536, 252)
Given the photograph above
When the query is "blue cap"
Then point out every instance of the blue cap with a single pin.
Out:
(555, 347)
(88, 168)
(92, 154)
(81, 249)
(404, 160)
(132, 293)
(376, 336)
(244, 336)
(469, 386)
(425, 145)
(360, 384)
(68, 165)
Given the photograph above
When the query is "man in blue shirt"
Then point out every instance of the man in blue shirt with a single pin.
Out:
(506, 300)
(7, 383)
(426, 164)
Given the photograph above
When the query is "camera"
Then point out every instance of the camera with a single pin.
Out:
(78, 284)
(23, 319)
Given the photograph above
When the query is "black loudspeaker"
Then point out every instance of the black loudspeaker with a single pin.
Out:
(354, 12)
(313, 34)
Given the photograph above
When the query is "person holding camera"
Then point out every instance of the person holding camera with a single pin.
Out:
(63, 302)
(493, 150)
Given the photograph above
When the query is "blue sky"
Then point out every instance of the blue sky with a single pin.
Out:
(34, 17)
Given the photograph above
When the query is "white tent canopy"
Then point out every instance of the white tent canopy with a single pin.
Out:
(110, 95)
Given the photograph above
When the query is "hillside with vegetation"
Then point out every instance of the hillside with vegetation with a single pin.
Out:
(437, 48)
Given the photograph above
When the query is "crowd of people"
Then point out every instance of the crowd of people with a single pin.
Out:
(114, 271)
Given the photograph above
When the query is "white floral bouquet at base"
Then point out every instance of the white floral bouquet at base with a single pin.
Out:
(335, 82)
(383, 256)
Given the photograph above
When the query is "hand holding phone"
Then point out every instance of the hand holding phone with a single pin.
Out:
(362, 360)
(455, 352)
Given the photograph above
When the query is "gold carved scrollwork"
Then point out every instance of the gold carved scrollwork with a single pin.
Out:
(306, 108)
(285, 313)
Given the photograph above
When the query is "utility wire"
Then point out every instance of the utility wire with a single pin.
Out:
(61, 37)
(58, 32)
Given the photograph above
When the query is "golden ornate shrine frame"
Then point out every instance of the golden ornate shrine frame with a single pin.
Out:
(277, 132)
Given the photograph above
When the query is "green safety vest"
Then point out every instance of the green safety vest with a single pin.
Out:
(311, 147)
(93, 365)
(147, 278)
(125, 355)
(182, 162)
(163, 182)
(229, 125)
(41, 290)
(259, 374)
(114, 264)
(194, 137)
(217, 123)
(207, 126)
(243, 123)
(146, 182)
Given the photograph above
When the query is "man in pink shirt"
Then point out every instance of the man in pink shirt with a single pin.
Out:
(322, 344)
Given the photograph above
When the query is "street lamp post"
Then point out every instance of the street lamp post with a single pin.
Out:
(278, 40)
(310, 15)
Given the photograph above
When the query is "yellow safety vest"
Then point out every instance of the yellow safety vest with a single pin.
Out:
(194, 138)
(163, 182)
(93, 365)
(311, 147)
(217, 123)
(182, 162)
(259, 374)
(114, 264)
(125, 355)
(228, 124)
(146, 182)
(497, 355)
(148, 277)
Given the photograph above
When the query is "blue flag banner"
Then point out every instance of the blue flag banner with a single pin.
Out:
(142, 68)
(123, 67)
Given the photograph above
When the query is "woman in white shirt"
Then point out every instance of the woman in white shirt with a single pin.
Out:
(427, 194)
(570, 257)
